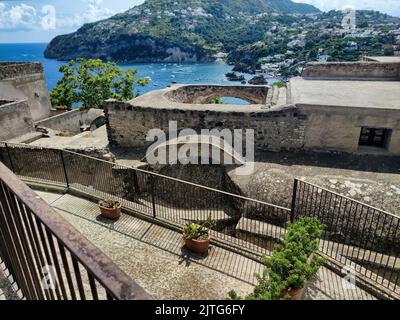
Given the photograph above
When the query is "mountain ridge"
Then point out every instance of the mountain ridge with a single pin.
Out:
(171, 31)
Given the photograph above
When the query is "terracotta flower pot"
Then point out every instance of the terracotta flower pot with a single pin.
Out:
(198, 246)
(294, 294)
(298, 293)
(111, 213)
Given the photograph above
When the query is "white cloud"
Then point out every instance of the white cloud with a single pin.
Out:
(94, 11)
(25, 17)
(18, 17)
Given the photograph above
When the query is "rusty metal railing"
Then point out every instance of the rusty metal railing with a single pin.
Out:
(357, 235)
(249, 225)
(47, 257)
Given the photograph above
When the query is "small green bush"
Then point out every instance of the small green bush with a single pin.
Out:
(292, 263)
(198, 231)
(110, 204)
(279, 84)
(216, 100)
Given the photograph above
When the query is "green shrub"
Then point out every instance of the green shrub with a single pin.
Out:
(216, 100)
(292, 263)
(279, 84)
(110, 204)
(198, 231)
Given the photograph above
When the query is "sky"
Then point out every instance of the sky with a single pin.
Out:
(41, 20)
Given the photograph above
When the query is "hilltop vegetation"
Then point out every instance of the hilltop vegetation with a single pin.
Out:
(165, 30)
(250, 32)
(290, 42)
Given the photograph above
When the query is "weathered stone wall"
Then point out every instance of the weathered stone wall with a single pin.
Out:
(25, 81)
(71, 120)
(275, 129)
(338, 128)
(9, 70)
(15, 119)
(352, 71)
(204, 93)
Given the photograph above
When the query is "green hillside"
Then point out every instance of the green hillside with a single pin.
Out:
(172, 30)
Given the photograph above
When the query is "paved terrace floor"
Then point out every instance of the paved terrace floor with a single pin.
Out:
(155, 257)
(362, 94)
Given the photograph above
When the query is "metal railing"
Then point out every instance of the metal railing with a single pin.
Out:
(243, 222)
(47, 257)
(357, 235)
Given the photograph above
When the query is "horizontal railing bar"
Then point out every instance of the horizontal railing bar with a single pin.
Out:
(108, 274)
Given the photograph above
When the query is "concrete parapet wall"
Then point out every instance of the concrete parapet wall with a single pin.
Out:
(25, 81)
(71, 120)
(15, 119)
(352, 71)
(10, 70)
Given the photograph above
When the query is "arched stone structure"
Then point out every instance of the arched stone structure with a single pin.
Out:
(275, 128)
(202, 94)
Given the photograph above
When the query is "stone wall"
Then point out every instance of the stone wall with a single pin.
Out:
(204, 93)
(10, 70)
(15, 119)
(275, 129)
(352, 71)
(25, 81)
(338, 128)
(71, 120)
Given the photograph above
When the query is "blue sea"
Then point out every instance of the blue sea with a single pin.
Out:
(161, 74)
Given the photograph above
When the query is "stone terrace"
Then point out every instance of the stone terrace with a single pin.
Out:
(155, 258)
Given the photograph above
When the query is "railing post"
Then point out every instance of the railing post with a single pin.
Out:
(64, 168)
(294, 196)
(152, 196)
(9, 157)
(135, 182)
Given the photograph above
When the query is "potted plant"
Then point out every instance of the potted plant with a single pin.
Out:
(197, 236)
(110, 209)
(293, 263)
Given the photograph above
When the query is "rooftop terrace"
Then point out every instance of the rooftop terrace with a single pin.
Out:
(360, 94)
